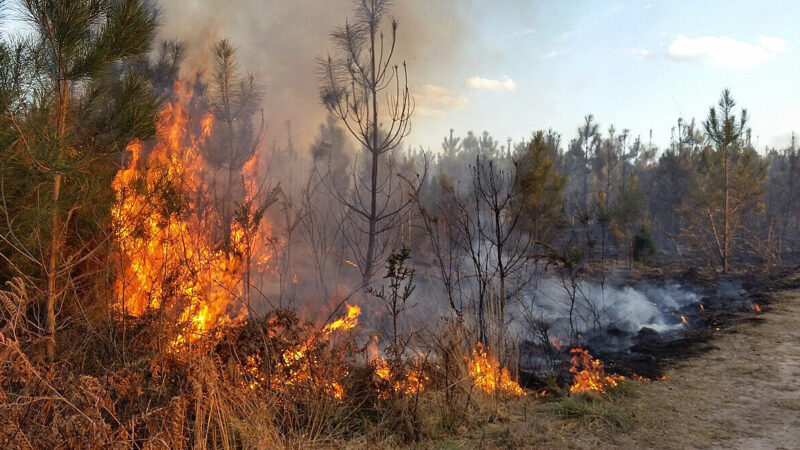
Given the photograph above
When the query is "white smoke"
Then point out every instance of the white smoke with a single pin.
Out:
(599, 308)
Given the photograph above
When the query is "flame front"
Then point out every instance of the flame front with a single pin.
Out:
(590, 374)
(347, 322)
(487, 374)
(410, 384)
(298, 366)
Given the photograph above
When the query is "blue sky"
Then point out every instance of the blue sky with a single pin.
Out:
(637, 64)
(514, 66)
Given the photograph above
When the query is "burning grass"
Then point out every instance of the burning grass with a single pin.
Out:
(488, 375)
(589, 374)
(264, 382)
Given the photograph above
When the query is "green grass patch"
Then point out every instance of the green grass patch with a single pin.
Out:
(608, 408)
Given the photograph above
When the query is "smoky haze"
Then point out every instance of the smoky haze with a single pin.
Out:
(279, 41)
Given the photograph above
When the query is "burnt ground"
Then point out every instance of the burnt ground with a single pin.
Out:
(726, 304)
(738, 387)
(742, 393)
(653, 354)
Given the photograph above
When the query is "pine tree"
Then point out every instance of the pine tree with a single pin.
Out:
(85, 102)
(729, 181)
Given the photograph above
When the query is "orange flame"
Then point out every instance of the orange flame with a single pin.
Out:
(411, 384)
(487, 374)
(756, 308)
(683, 319)
(590, 374)
(164, 230)
(635, 377)
(372, 349)
(300, 367)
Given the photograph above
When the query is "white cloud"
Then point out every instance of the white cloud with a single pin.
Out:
(773, 44)
(505, 84)
(437, 101)
(724, 52)
(552, 54)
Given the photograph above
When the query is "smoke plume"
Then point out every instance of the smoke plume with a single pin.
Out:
(279, 41)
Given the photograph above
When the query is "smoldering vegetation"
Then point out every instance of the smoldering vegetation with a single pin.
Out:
(228, 242)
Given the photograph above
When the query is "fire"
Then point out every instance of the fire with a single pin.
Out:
(590, 374)
(164, 230)
(244, 238)
(756, 308)
(557, 343)
(487, 374)
(635, 377)
(299, 367)
(702, 308)
(410, 384)
(372, 349)
(347, 322)
(683, 319)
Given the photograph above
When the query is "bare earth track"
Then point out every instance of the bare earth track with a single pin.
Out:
(744, 393)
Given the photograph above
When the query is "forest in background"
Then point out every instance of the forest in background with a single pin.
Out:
(172, 277)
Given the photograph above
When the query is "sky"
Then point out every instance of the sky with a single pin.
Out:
(515, 66)
(638, 65)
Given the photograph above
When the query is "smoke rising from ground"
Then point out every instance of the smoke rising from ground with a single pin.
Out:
(625, 308)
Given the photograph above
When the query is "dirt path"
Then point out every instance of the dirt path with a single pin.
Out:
(743, 394)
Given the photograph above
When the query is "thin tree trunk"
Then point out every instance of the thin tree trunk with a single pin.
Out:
(373, 204)
(502, 275)
(52, 269)
(55, 227)
(726, 212)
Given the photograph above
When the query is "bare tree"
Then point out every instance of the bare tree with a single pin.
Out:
(488, 217)
(445, 243)
(352, 86)
(501, 190)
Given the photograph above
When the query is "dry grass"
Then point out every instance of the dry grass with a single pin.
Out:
(121, 386)
(744, 394)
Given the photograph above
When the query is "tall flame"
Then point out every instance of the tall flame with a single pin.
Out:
(487, 374)
(163, 223)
